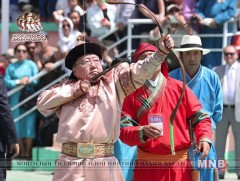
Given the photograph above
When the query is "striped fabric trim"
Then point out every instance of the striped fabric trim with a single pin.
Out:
(197, 117)
(127, 121)
(154, 92)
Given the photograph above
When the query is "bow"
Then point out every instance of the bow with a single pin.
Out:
(176, 57)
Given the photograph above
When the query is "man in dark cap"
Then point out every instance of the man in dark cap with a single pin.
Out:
(89, 111)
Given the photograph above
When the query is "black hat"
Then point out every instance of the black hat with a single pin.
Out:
(80, 50)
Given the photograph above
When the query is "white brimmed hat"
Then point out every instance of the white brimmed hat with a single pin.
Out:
(191, 42)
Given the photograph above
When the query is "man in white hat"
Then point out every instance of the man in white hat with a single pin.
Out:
(204, 83)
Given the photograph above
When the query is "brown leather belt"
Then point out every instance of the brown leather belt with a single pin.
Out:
(88, 150)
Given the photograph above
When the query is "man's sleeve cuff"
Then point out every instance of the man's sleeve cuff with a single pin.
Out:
(141, 136)
(206, 140)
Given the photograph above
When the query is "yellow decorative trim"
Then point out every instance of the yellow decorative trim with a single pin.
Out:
(88, 150)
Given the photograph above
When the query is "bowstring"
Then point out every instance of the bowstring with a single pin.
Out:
(84, 20)
(84, 26)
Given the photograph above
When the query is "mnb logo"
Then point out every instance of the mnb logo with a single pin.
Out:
(221, 164)
(29, 23)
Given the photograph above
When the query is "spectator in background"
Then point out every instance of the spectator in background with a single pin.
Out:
(31, 48)
(10, 55)
(106, 59)
(188, 8)
(229, 75)
(206, 85)
(211, 15)
(67, 37)
(72, 6)
(101, 18)
(157, 7)
(79, 26)
(174, 23)
(46, 9)
(75, 17)
(13, 10)
(61, 4)
(87, 3)
(24, 5)
(169, 2)
(48, 55)
(83, 23)
(4, 61)
(124, 12)
(20, 73)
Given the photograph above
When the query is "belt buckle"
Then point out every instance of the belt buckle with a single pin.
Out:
(85, 150)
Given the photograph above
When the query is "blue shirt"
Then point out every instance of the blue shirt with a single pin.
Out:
(207, 87)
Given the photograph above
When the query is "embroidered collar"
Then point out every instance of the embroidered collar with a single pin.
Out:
(191, 82)
(151, 96)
